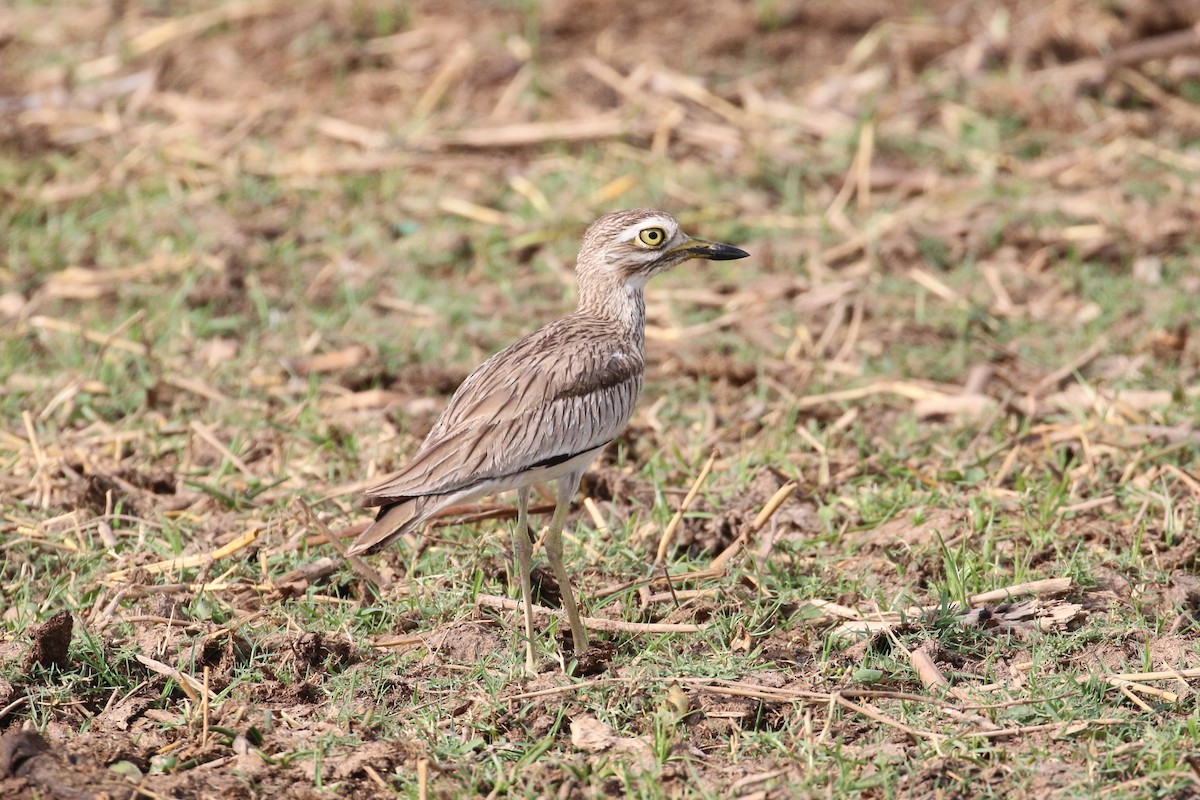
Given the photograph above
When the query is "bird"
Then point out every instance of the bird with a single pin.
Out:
(543, 408)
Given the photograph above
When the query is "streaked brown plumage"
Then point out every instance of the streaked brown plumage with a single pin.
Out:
(543, 408)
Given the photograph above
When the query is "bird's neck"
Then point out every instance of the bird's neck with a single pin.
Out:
(623, 304)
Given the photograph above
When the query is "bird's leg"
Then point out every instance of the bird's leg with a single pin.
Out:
(523, 552)
(567, 486)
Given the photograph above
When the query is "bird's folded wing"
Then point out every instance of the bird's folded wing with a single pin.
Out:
(541, 400)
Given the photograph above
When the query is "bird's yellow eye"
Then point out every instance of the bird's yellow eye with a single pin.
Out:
(652, 237)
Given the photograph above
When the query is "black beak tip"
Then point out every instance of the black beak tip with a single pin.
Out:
(725, 252)
(719, 252)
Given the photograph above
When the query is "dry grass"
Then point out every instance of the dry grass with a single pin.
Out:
(910, 506)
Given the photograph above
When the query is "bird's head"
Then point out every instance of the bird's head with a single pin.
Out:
(630, 247)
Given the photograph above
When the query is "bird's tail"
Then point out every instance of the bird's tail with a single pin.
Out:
(393, 521)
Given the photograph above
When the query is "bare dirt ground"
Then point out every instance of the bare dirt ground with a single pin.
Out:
(947, 544)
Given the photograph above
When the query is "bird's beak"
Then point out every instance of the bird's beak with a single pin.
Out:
(712, 251)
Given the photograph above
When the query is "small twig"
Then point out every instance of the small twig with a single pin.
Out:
(669, 83)
(356, 564)
(374, 775)
(1087, 505)
(909, 391)
(422, 778)
(835, 609)
(1152, 691)
(1185, 478)
(882, 620)
(1133, 698)
(170, 622)
(1039, 588)
(564, 689)
(778, 499)
(596, 623)
(675, 597)
(1091, 70)
(670, 587)
(196, 387)
(1127, 686)
(1151, 91)
(880, 717)
(13, 706)
(234, 624)
(781, 695)
(765, 546)
(936, 286)
(822, 454)
(204, 695)
(1070, 368)
(682, 577)
(205, 433)
(186, 562)
(668, 535)
(162, 588)
(735, 788)
(400, 641)
(39, 456)
(1000, 733)
(1025, 701)
(522, 134)
(454, 65)
(190, 686)
(1183, 684)
(593, 510)
(176, 28)
(105, 340)
(927, 670)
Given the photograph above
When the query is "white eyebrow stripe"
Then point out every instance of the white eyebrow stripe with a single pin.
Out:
(627, 234)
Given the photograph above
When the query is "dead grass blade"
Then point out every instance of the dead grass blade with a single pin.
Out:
(95, 337)
(524, 134)
(194, 689)
(721, 562)
(210, 438)
(172, 29)
(668, 534)
(187, 562)
(596, 623)
(884, 719)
